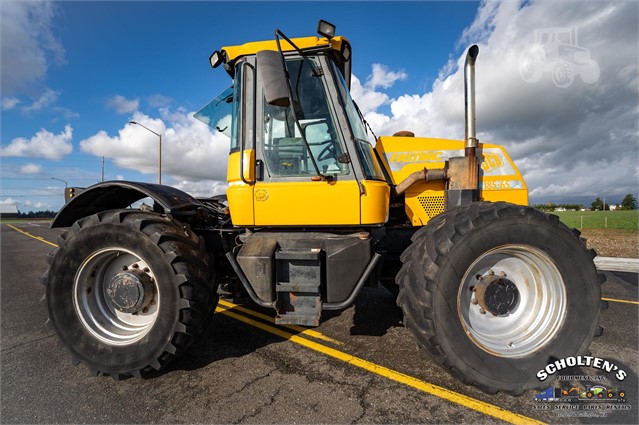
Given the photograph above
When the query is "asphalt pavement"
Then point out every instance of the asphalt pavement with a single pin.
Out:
(359, 366)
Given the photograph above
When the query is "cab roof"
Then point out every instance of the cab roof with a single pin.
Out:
(235, 52)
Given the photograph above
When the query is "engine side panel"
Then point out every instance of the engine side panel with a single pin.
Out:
(499, 178)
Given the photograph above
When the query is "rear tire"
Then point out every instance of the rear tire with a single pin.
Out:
(546, 304)
(128, 291)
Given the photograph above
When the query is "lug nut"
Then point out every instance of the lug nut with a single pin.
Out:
(474, 301)
(478, 276)
(135, 266)
(146, 270)
(482, 311)
(502, 274)
(125, 268)
(491, 272)
(145, 310)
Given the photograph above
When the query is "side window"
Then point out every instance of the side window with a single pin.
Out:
(284, 151)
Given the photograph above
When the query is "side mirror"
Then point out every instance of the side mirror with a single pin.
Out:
(269, 66)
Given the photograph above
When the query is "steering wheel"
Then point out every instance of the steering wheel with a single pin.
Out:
(327, 152)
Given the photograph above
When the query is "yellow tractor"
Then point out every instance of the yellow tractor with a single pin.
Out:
(491, 288)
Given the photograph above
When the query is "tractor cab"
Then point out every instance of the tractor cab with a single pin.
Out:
(299, 155)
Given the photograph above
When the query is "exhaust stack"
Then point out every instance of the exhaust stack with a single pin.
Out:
(469, 95)
(463, 171)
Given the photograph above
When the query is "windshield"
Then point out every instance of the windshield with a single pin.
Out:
(284, 149)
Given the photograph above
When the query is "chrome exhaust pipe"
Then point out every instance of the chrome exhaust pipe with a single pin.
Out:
(470, 135)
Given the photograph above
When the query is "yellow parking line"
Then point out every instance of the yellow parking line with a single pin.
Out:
(614, 300)
(300, 329)
(441, 392)
(39, 238)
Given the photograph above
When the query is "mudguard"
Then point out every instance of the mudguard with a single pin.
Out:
(120, 194)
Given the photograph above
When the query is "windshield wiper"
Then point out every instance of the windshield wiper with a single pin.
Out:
(302, 131)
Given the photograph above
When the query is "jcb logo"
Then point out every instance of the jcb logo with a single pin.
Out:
(424, 156)
(491, 161)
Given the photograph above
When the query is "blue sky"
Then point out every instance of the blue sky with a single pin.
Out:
(74, 73)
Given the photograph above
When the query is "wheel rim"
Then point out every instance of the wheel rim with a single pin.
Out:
(115, 295)
(528, 310)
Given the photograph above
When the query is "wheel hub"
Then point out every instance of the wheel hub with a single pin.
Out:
(497, 294)
(130, 291)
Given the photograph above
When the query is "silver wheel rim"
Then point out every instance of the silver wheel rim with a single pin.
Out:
(96, 310)
(536, 317)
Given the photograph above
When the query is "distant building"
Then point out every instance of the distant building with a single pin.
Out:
(560, 209)
(9, 211)
(613, 207)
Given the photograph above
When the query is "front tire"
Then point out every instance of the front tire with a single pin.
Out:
(128, 291)
(497, 291)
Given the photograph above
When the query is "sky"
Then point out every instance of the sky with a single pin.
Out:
(73, 74)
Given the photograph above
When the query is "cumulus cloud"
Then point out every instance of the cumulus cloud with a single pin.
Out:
(8, 201)
(43, 145)
(8, 103)
(67, 113)
(201, 188)
(31, 168)
(28, 46)
(36, 205)
(159, 101)
(47, 98)
(383, 77)
(191, 151)
(568, 141)
(122, 105)
(367, 96)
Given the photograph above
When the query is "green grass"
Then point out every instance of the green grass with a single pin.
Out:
(624, 220)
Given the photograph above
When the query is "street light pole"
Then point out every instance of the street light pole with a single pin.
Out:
(160, 155)
(60, 180)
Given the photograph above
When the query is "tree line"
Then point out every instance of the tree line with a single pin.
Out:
(629, 202)
(37, 214)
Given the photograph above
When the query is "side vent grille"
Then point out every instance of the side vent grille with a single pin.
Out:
(433, 205)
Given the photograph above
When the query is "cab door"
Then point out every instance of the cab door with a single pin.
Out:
(288, 190)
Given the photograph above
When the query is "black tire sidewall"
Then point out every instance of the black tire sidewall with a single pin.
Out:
(582, 296)
(82, 344)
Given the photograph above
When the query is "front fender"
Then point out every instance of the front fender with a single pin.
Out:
(120, 194)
